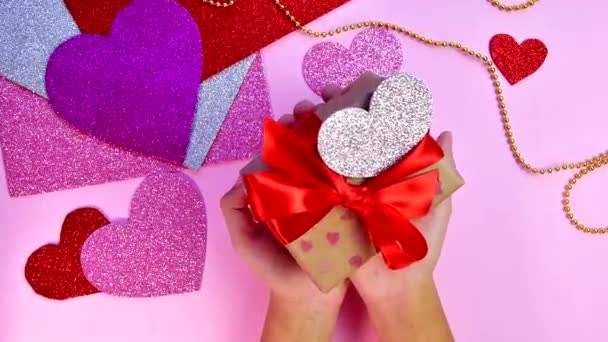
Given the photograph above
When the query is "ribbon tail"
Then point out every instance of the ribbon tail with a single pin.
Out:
(398, 240)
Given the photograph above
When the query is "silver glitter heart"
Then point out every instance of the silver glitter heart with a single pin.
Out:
(360, 144)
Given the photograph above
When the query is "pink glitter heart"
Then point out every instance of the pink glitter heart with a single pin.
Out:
(160, 250)
(333, 238)
(375, 49)
(306, 246)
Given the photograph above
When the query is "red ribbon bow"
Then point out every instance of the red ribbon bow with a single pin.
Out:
(299, 190)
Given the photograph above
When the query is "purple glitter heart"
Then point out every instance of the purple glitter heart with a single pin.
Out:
(160, 250)
(136, 88)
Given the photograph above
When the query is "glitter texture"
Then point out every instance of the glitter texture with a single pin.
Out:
(30, 31)
(241, 134)
(160, 250)
(516, 61)
(375, 49)
(229, 34)
(360, 144)
(138, 88)
(54, 271)
(214, 100)
(43, 153)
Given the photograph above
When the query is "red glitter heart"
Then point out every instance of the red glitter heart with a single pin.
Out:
(229, 34)
(517, 61)
(54, 271)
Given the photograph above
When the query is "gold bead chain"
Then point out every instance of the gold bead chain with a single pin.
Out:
(584, 167)
(512, 8)
(218, 4)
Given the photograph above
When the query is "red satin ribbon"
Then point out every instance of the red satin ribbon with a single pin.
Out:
(299, 190)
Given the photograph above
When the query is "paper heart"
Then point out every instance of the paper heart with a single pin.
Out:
(137, 88)
(54, 271)
(374, 49)
(306, 246)
(332, 238)
(230, 34)
(160, 250)
(516, 61)
(360, 144)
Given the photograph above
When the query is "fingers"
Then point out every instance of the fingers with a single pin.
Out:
(302, 108)
(357, 94)
(287, 120)
(434, 225)
(239, 221)
(330, 91)
(446, 140)
(251, 241)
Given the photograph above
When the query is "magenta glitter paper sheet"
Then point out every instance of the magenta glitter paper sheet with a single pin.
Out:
(43, 153)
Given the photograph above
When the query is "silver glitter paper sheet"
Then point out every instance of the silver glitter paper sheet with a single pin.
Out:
(214, 100)
(360, 144)
(30, 31)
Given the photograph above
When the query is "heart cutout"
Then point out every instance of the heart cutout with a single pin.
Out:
(160, 250)
(54, 271)
(333, 238)
(137, 88)
(376, 49)
(355, 261)
(517, 61)
(306, 246)
(360, 144)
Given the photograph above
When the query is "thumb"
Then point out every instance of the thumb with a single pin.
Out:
(446, 140)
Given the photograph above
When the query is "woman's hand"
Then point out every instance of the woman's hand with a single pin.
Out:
(408, 297)
(404, 304)
(297, 311)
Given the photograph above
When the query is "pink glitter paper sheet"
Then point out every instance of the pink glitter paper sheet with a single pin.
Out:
(42, 153)
(241, 134)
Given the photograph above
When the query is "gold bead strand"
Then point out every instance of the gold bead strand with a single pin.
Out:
(219, 4)
(512, 8)
(594, 165)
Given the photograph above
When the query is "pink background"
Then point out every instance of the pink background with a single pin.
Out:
(513, 269)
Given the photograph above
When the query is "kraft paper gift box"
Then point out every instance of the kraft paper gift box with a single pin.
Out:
(331, 245)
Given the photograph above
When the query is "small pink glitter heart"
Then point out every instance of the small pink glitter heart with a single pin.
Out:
(306, 246)
(375, 49)
(355, 261)
(333, 238)
(159, 250)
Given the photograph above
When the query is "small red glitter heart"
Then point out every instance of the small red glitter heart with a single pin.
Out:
(517, 61)
(333, 238)
(306, 245)
(54, 271)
